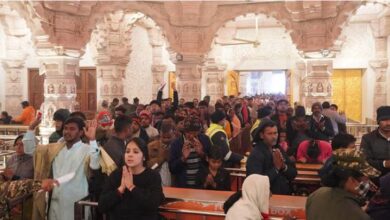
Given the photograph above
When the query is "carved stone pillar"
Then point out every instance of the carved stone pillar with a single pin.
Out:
(317, 84)
(243, 79)
(158, 78)
(189, 75)
(156, 40)
(13, 85)
(16, 44)
(214, 74)
(380, 97)
(111, 47)
(301, 72)
(110, 82)
(381, 30)
(59, 66)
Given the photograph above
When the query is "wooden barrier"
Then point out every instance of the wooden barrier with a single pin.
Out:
(304, 183)
(208, 204)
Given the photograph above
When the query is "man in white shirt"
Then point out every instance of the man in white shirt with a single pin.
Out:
(58, 159)
(334, 116)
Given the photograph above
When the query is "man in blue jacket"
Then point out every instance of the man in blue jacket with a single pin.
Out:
(187, 153)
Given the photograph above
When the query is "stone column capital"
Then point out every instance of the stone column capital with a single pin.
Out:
(212, 65)
(379, 63)
(381, 26)
(44, 48)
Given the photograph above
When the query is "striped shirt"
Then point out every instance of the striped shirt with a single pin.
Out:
(193, 165)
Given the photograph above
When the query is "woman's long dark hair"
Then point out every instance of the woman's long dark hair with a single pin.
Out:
(231, 200)
(313, 151)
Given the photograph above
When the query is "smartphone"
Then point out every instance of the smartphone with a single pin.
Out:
(39, 115)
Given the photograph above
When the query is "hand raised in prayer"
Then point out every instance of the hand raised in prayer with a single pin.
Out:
(321, 125)
(210, 181)
(90, 130)
(186, 151)
(278, 159)
(122, 187)
(198, 147)
(35, 123)
(128, 178)
(162, 86)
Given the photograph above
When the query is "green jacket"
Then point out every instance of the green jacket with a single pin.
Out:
(328, 203)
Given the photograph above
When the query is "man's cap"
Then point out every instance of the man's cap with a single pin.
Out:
(350, 158)
(217, 116)
(383, 113)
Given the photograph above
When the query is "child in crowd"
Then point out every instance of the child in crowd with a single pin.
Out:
(283, 140)
(214, 177)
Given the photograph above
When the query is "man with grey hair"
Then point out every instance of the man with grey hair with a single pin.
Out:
(320, 126)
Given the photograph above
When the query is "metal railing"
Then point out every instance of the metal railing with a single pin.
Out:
(13, 129)
(358, 130)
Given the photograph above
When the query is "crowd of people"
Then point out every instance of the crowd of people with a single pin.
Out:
(124, 157)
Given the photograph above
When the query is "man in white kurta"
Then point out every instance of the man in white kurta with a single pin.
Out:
(71, 158)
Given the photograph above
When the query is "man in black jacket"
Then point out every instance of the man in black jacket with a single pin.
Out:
(320, 126)
(376, 144)
(116, 144)
(268, 159)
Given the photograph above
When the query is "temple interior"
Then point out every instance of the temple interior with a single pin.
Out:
(76, 55)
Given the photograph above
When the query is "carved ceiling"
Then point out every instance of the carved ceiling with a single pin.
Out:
(189, 27)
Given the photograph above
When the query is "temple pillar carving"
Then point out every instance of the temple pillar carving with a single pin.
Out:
(159, 68)
(381, 31)
(158, 77)
(59, 67)
(317, 82)
(13, 63)
(111, 48)
(189, 75)
(214, 79)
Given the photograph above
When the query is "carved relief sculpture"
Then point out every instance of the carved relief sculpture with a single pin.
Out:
(310, 88)
(329, 89)
(50, 89)
(320, 87)
(62, 88)
(105, 89)
(114, 89)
